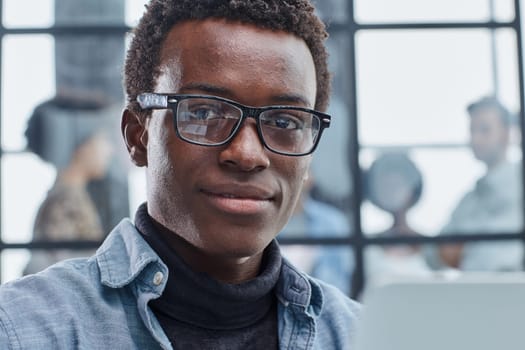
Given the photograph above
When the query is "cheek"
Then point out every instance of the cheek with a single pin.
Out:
(295, 173)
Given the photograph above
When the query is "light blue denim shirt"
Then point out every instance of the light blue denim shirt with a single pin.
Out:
(101, 302)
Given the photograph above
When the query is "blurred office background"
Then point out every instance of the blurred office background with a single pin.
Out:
(404, 73)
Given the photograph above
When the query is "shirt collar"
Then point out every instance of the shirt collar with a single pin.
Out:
(124, 255)
(296, 289)
(118, 270)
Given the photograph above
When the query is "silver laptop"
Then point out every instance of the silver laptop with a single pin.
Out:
(478, 312)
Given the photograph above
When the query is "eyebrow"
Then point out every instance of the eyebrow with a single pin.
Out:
(286, 99)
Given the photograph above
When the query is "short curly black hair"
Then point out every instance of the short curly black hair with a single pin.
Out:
(293, 16)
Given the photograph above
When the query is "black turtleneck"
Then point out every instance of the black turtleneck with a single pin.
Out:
(199, 312)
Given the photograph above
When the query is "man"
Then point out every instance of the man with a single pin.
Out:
(495, 203)
(199, 268)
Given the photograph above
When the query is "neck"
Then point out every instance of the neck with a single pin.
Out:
(494, 163)
(400, 225)
(231, 270)
(72, 175)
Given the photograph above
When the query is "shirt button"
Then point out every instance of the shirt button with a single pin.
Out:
(157, 279)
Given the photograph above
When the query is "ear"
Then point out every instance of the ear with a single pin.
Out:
(135, 135)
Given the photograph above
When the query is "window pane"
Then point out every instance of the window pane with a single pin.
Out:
(26, 82)
(433, 10)
(332, 10)
(137, 188)
(28, 13)
(90, 66)
(338, 45)
(13, 262)
(25, 182)
(506, 66)
(92, 12)
(413, 86)
(134, 10)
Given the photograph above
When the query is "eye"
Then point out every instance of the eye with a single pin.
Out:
(284, 120)
(204, 112)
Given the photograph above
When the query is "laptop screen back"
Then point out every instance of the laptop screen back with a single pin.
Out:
(478, 313)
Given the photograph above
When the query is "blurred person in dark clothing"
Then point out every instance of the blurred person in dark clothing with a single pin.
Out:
(394, 184)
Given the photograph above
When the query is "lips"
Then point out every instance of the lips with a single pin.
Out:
(239, 199)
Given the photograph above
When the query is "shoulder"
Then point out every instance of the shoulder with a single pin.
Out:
(64, 305)
(67, 211)
(467, 202)
(326, 300)
(77, 296)
(337, 321)
(335, 314)
(42, 303)
(336, 304)
(56, 284)
(60, 195)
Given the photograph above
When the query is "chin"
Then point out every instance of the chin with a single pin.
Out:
(245, 247)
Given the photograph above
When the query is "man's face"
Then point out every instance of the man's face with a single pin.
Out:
(489, 136)
(228, 201)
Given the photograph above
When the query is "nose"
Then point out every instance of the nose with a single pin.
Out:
(245, 151)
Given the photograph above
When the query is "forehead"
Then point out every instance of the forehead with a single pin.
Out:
(236, 56)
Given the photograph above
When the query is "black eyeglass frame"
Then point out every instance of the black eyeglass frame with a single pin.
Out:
(149, 101)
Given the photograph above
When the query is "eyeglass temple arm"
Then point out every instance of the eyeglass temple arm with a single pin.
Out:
(150, 100)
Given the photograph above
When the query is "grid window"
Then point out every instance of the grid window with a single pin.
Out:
(404, 73)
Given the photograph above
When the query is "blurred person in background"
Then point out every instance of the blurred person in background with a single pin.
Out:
(494, 205)
(71, 134)
(393, 183)
(314, 219)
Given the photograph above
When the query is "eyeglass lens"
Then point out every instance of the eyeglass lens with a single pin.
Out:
(211, 122)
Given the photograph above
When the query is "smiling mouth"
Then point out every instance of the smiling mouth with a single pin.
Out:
(227, 195)
(240, 204)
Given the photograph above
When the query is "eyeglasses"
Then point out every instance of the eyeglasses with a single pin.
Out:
(214, 121)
